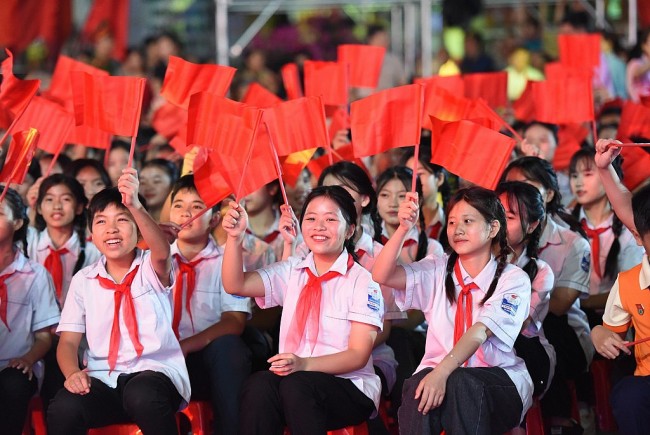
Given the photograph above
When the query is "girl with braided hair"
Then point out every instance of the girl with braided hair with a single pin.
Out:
(470, 379)
(525, 212)
(613, 248)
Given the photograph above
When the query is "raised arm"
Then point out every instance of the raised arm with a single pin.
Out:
(235, 280)
(386, 271)
(619, 196)
(155, 238)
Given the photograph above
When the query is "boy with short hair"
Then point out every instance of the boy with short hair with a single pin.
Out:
(207, 320)
(136, 370)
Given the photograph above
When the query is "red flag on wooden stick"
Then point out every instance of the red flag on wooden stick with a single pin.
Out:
(184, 78)
(471, 151)
(15, 94)
(570, 136)
(112, 18)
(442, 104)
(580, 50)
(52, 121)
(453, 84)
(328, 80)
(19, 156)
(340, 121)
(112, 104)
(524, 106)
(291, 80)
(90, 137)
(635, 121)
(60, 90)
(169, 119)
(179, 141)
(258, 96)
(387, 119)
(293, 165)
(209, 182)
(365, 63)
(345, 153)
(492, 87)
(565, 101)
(636, 166)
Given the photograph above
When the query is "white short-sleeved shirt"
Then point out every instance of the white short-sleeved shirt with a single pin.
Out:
(504, 314)
(89, 309)
(353, 297)
(439, 219)
(410, 247)
(31, 305)
(540, 299)
(569, 256)
(209, 299)
(257, 253)
(629, 256)
(277, 243)
(38, 244)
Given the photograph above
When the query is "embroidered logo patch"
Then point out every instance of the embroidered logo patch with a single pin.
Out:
(586, 261)
(238, 297)
(510, 303)
(640, 309)
(374, 302)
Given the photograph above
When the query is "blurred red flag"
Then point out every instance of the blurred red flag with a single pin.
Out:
(340, 121)
(570, 136)
(442, 104)
(293, 164)
(565, 101)
(327, 79)
(471, 151)
(184, 78)
(15, 94)
(480, 110)
(110, 17)
(291, 80)
(209, 182)
(345, 153)
(297, 125)
(556, 71)
(524, 106)
(169, 119)
(387, 119)
(60, 90)
(90, 137)
(19, 156)
(636, 166)
(52, 121)
(365, 63)
(492, 87)
(580, 50)
(635, 121)
(453, 84)
(112, 104)
(179, 141)
(258, 96)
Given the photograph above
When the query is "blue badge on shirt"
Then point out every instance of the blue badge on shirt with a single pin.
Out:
(374, 303)
(510, 303)
(586, 261)
(239, 297)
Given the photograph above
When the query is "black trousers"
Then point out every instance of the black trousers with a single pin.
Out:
(307, 402)
(537, 362)
(478, 401)
(149, 399)
(630, 401)
(15, 392)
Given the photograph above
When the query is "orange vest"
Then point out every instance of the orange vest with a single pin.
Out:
(636, 301)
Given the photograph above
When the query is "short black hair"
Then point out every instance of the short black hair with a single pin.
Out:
(641, 210)
(105, 198)
(186, 182)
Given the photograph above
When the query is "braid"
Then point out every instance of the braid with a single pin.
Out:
(81, 233)
(423, 240)
(376, 225)
(502, 262)
(450, 287)
(23, 240)
(611, 264)
(532, 250)
(349, 246)
(576, 211)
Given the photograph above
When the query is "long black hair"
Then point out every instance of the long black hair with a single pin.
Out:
(487, 203)
(405, 176)
(424, 160)
(79, 222)
(344, 200)
(19, 211)
(530, 205)
(585, 156)
(352, 176)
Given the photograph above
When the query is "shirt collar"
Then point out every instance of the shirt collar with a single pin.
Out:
(20, 264)
(413, 234)
(365, 244)
(210, 250)
(44, 242)
(340, 265)
(644, 275)
(551, 234)
(485, 276)
(99, 268)
(606, 223)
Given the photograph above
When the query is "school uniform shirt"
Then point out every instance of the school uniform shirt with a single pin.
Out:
(354, 297)
(209, 299)
(38, 247)
(256, 253)
(629, 256)
(410, 247)
(31, 306)
(569, 256)
(437, 224)
(272, 237)
(540, 299)
(504, 314)
(89, 309)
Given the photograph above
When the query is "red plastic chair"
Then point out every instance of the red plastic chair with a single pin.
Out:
(360, 429)
(534, 421)
(200, 416)
(600, 372)
(35, 422)
(116, 429)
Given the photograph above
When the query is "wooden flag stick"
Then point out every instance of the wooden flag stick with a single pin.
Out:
(278, 168)
(416, 160)
(196, 216)
(632, 343)
(249, 156)
(632, 144)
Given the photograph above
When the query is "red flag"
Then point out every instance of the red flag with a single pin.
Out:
(15, 94)
(297, 125)
(258, 96)
(556, 71)
(365, 63)
(524, 106)
(293, 165)
(480, 110)
(60, 90)
(168, 120)
(492, 87)
(209, 182)
(340, 121)
(52, 121)
(442, 104)
(387, 119)
(570, 136)
(460, 147)
(636, 166)
(328, 80)
(112, 104)
(20, 23)
(635, 121)
(179, 141)
(19, 157)
(109, 17)
(90, 137)
(565, 101)
(453, 84)
(184, 78)
(580, 50)
(345, 153)
(291, 80)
